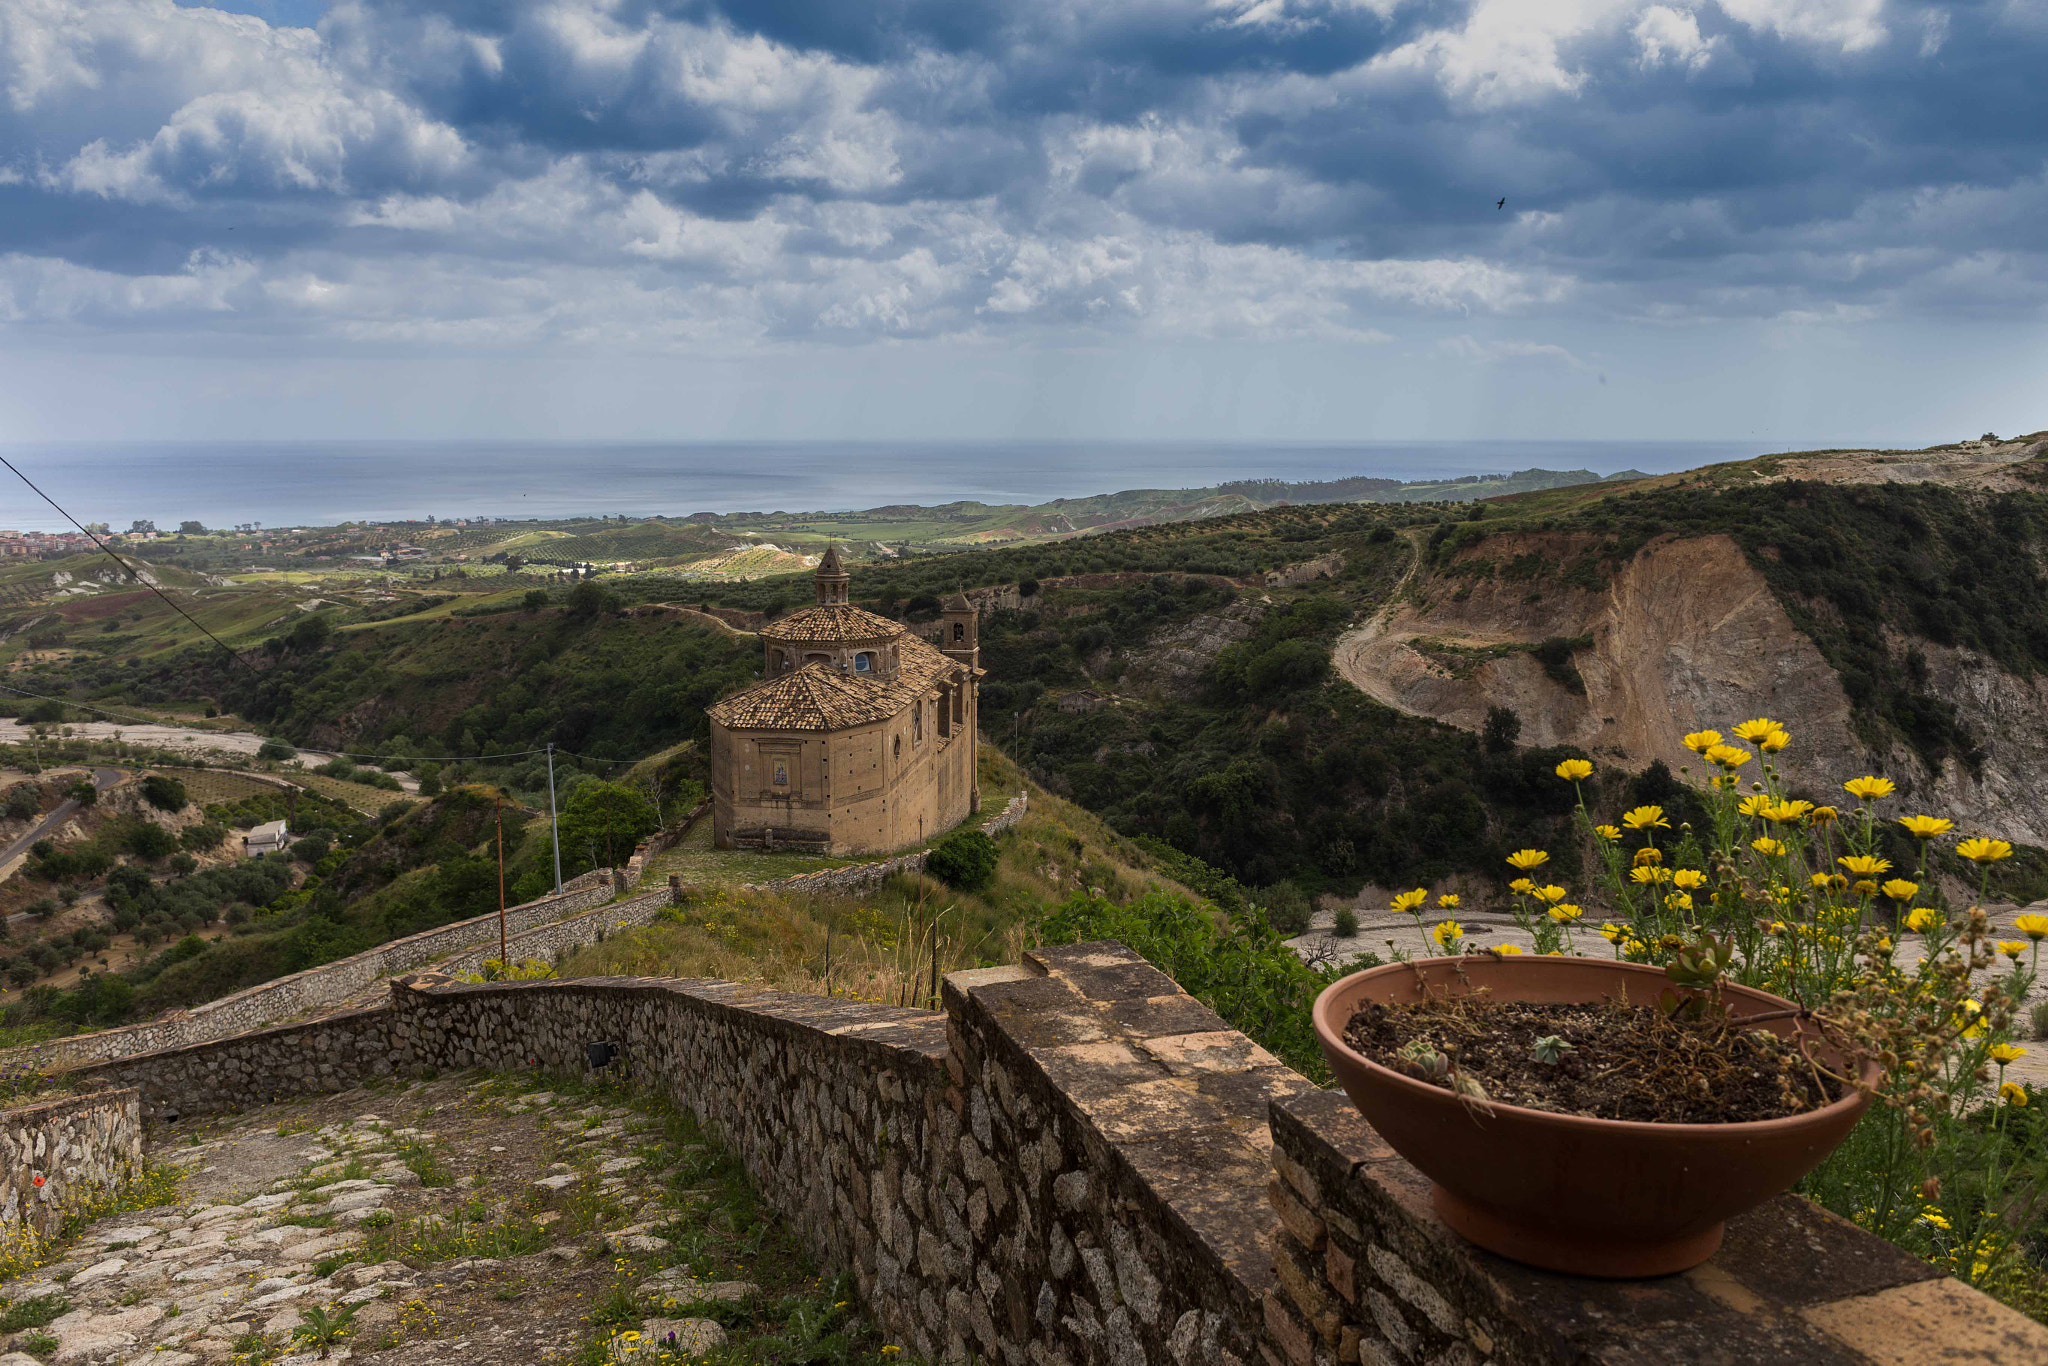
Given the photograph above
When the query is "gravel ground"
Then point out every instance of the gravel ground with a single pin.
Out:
(480, 1219)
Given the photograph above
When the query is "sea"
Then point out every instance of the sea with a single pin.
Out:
(321, 483)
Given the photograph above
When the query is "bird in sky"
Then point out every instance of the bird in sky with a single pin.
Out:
(1500, 203)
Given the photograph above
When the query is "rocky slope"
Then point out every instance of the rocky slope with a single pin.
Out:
(1685, 636)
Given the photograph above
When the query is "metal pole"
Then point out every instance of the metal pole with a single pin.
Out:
(503, 965)
(554, 823)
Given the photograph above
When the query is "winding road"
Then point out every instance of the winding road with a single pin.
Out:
(102, 779)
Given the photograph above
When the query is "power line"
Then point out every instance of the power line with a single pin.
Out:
(130, 571)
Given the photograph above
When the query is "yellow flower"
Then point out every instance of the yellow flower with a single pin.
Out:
(1645, 818)
(1507, 948)
(1447, 934)
(2012, 948)
(1727, 756)
(1868, 788)
(1610, 931)
(1784, 813)
(1678, 901)
(1649, 853)
(2034, 927)
(1571, 770)
(630, 1337)
(1700, 741)
(1609, 833)
(1522, 885)
(1926, 827)
(1689, 878)
(1972, 1011)
(1898, 889)
(1552, 893)
(1408, 901)
(1565, 913)
(2012, 1093)
(1820, 880)
(1864, 865)
(1865, 887)
(1449, 901)
(1920, 919)
(1776, 927)
(1823, 814)
(1755, 804)
(1528, 860)
(1647, 876)
(1757, 729)
(1933, 1217)
(1774, 742)
(2003, 1053)
(1767, 845)
(1984, 850)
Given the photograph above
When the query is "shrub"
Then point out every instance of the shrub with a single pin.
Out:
(165, 794)
(1503, 728)
(311, 849)
(1346, 926)
(83, 792)
(965, 859)
(152, 841)
(277, 750)
(24, 802)
(205, 836)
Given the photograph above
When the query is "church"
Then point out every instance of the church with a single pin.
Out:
(860, 736)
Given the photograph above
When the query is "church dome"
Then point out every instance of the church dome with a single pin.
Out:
(836, 625)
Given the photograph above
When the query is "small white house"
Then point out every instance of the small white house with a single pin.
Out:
(266, 838)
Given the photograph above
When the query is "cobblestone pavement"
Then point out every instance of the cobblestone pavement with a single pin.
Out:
(473, 1219)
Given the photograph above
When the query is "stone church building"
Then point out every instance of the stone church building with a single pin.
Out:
(859, 737)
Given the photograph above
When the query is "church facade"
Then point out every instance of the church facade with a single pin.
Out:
(860, 736)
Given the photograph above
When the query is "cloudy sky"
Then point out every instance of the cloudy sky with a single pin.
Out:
(1778, 219)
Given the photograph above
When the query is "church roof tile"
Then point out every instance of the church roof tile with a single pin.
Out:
(818, 697)
(841, 622)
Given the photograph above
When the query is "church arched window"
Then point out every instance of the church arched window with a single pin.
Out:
(864, 662)
(899, 747)
(917, 724)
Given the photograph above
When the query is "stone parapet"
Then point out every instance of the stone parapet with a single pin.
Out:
(57, 1155)
(1077, 1164)
(1367, 1273)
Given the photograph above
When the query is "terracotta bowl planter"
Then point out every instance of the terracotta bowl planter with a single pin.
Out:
(1595, 1197)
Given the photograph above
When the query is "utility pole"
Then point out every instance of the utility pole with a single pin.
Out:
(554, 822)
(504, 967)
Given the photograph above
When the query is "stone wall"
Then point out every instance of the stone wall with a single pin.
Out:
(1076, 1164)
(856, 879)
(315, 988)
(56, 1156)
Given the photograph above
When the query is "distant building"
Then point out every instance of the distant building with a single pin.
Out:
(860, 737)
(266, 838)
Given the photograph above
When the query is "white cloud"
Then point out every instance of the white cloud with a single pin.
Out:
(1671, 37)
(1848, 25)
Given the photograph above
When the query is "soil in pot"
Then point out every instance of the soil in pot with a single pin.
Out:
(1601, 1060)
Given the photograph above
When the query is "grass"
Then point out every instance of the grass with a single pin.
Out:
(35, 1312)
(21, 1251)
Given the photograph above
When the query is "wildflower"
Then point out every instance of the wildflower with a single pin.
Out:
(1447, 934)
(1865, 887)
(1821, 815)
(1821, 880)
(1678, 901)
(1934, 1218)
(1528, 860)
(1564, 913)
(1971, 1011)
(1774, 742)
(1920, 919)
(1646, 876)
(1755, 804)
(1507, 948)
(2012, 1093)
(890, 1349)
(1700, 741)
(1572, 770)
(1689, 878)
(1868, 788)
(1864, 865)
(1610, 833)
(1552, 893)
(1766, 845)
(1448, 901)
(1898, 889)
(1775, 927)
(1646, 818)
(1984, 851)
(1610, 931)
(1785, 813)
(2034, 927)
(1522, 885)
(39, 1180)
(1727, 756)
(1926, 827)
(1649, 853)
(2012, 948)
(1409, 901)
(2003, 1053)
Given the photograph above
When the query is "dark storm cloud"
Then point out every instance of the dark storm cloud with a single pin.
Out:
(916, 167)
